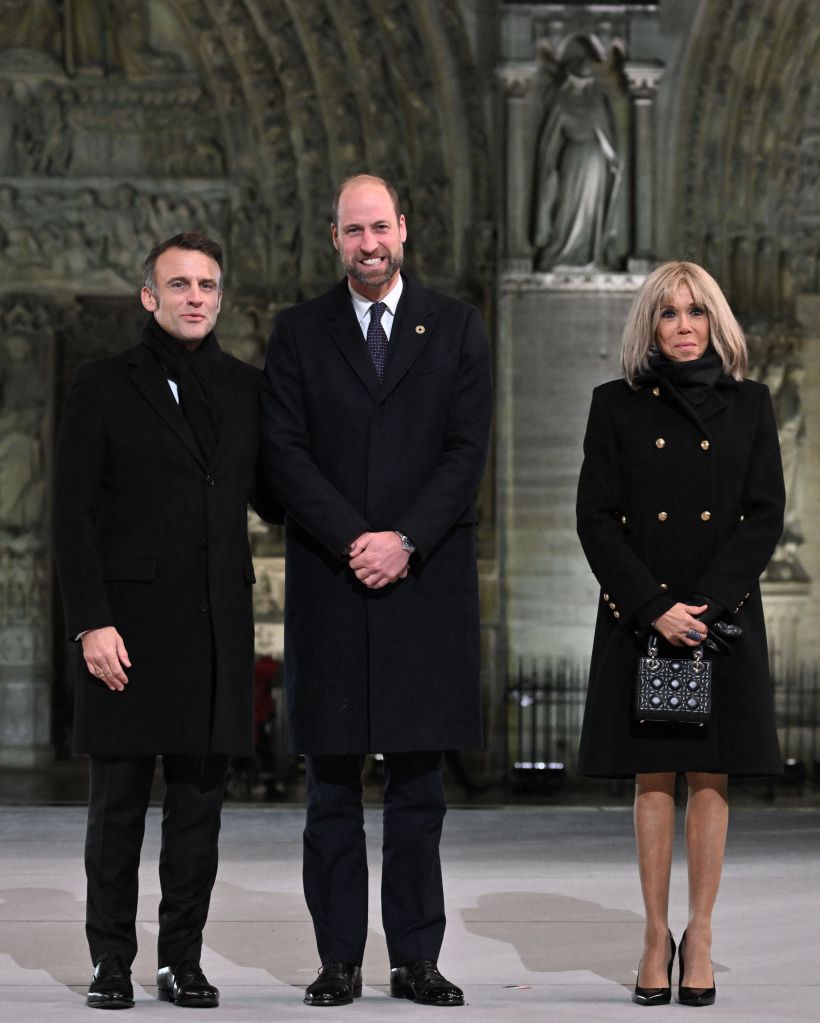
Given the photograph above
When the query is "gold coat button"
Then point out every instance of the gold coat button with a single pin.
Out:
(623, 520)
(612, 605)
(656, 391)
(606, 596)
(705, 445)
(742, 517)
(662, 516)
(660, 443)
(705, 516)
(616, 614)
(664, 586)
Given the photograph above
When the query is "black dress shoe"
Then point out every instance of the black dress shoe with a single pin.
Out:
(656, 995)
(337, 984)
(186, 985)
(421, 982)
(696, 996)
(110, 986)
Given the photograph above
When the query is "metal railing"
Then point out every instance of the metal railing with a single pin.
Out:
(545, 706)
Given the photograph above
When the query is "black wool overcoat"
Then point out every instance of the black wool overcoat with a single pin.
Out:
(152, 540)
(394, 669)
(673, 501)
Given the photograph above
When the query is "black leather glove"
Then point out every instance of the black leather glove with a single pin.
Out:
(712, 612)
(719, 633)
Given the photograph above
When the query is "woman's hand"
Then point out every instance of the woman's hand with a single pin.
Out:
(676, 624)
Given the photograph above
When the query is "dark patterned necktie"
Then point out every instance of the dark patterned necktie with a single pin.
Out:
(377, 338)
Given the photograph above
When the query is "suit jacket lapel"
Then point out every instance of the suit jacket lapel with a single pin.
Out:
(148, 378)
(410, 333)
(348, 338)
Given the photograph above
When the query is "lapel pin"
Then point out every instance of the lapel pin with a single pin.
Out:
(420, 328)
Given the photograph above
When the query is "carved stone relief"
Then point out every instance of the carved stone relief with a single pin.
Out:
(775, 360)
(94, 234)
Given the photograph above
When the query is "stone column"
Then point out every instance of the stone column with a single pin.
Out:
(26, 442)
(516, 79)
(642, 81)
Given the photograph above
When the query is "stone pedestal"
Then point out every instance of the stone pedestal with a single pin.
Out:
(559, 338)
(25, 697)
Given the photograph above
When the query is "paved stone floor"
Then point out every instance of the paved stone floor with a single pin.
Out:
(543, 910)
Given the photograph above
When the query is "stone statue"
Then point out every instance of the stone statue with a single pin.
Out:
(8, 121)
(22, 401)
(791, 426)
(577, 172)
(30, 25)
(784, 377)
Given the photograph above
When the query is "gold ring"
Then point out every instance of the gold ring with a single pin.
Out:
(99, 671)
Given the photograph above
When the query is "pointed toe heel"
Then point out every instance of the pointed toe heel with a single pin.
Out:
(694, 996)
(656, 995)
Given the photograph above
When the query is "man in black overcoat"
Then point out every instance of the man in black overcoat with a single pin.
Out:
(156, 461)
(375, 417)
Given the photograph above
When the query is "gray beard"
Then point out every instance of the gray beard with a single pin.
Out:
(369, 281)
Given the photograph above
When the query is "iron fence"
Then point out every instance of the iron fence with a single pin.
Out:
(545, 705)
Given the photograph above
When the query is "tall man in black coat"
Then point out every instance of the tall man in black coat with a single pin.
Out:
(156, 461)
(376, 412)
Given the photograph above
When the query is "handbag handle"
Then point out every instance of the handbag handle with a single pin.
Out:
(654, 662)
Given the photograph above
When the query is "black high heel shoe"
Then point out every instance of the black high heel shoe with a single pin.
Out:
(656, 995)
(693, 995)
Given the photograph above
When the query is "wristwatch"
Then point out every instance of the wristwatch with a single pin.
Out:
(406, 543)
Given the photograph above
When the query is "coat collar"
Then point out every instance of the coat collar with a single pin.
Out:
(147, 376)
(714, 405)
(410, 333)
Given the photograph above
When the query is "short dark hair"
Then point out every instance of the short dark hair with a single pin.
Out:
(193, 241)
(394, 195)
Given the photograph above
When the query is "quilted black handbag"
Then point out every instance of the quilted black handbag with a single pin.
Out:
(673, 688)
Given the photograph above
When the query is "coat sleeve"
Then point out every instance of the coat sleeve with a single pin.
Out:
(742, 558)
(599, 506)
(79, 471)
(289, 469)
(451, 487)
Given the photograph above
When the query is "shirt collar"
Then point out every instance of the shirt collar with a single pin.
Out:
(361, 305)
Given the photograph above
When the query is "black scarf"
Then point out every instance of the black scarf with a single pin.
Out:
(197, 374)
(693, 379)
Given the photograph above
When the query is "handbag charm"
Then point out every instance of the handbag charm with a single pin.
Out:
(673, 688)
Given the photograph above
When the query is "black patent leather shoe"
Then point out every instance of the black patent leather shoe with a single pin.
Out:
(187, 986)
(111, 986)
(421, 982)
(695, 996)
(337, 984)
(656, 995)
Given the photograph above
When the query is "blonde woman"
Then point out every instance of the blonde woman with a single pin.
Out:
(680, 506)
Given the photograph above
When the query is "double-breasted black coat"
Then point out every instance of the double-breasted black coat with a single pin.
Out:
(673, 501)
(394, 669)
(152, 540)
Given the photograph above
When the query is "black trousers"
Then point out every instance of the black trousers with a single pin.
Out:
(335, 857)
(120, 790)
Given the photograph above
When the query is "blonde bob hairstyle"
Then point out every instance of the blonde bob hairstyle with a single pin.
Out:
(660, 287)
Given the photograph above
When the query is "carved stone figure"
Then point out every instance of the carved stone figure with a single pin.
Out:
(22, 401)
(30, 25)
(576, 172)
(784, 377)
(8, 120)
